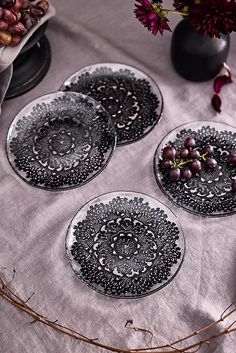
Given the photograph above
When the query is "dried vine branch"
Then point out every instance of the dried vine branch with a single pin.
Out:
(8, 295)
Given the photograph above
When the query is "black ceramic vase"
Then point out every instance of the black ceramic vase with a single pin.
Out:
(196, 57)
(31, 65)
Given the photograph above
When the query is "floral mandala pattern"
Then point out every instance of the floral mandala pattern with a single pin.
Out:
(209, 193)
(131, 101)
(60, 141)
(124, 247)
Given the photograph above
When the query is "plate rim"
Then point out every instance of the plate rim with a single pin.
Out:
(118, 193)
(201, 122)
(30, 105)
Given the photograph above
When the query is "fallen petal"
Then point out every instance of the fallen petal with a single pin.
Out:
(227, 69)
(220, 81)
(216, 103)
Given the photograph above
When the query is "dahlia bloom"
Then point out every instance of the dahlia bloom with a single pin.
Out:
(151, 16)
(209, 17)
(213, 17)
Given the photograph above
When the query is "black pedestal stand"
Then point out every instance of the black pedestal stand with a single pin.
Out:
(31, 65)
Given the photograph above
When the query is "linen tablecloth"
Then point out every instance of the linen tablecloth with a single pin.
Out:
(33, 222)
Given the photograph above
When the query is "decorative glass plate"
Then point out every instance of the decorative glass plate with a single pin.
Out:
(125, 245)
(133, 99)
(207, 193)
(60, 141)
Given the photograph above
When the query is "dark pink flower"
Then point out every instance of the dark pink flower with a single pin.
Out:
(213, 17)
(151, 16)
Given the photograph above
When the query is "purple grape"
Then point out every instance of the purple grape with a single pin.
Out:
(208, 150)
(43, 4)
(210, 163)
(3, 25)
(232, 159)
(166, 164)
(19, 28)
(1, 12)
(28, 21)
(9, 17)
(16, 39)
(36, 11)
(183, 153)
(196, 166)
(186, 173)
(6, 4)
(194, 154)
(189, 143)
(5, 38)
(10, 29)
(169, 152)
(25, 5)
(17, 14)
(233, 185)
(174, 174)
(17, 5)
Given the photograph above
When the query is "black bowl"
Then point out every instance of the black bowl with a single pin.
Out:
(31, 65)
(36, 36)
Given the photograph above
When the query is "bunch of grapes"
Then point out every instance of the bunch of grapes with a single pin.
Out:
(17, 17)
(188, 161)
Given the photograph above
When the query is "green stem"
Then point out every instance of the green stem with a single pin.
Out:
(175, 12)
(182, 163)
(203, 157)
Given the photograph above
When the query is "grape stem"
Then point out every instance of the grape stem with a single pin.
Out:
(182, 163)
(203, 156)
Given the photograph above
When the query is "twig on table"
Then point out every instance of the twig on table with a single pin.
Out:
(11, 298)
(129, 324)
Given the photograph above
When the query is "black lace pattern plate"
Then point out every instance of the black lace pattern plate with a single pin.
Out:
(60, 141)
(207, 193)
(132, 99)
(125, 245)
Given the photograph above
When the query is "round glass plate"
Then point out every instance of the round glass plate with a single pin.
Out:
(125, 245)
(60, 141)
(207, 193)
(133, 99)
